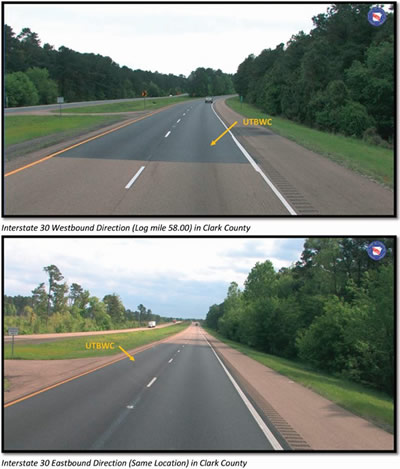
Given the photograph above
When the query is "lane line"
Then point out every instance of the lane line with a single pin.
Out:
(134, 178)
(151, 382)
(123, 357)
(166, 135)
(170, 360)
(178, 121)
(80, 143)
(267, 432)
(257, 168)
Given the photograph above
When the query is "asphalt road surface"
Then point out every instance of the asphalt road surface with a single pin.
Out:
(163, 164)
(160, 165)
(176, 396)
(38, 338)
(50, 107)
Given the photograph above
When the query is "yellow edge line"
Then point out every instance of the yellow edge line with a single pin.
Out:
(60, 383)
(81, 143)
(145, 347)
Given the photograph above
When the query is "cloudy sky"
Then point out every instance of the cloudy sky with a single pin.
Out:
(172, 277)
(166, 38)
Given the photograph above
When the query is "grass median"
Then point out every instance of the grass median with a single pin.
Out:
(374, 406)
(150, 104)
(19, 129)
(6, 384)
(62, 349)
(373, 161)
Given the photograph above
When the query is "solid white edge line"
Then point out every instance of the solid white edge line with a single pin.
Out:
(151, 382)
(134, 178)
(166, 135)
(267, 432)
(257, 168)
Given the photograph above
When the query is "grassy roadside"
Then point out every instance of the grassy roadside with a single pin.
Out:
(6, 384)
(374, 406)
(76, 348)
(151, 104)
(20, 129)
(372, 161)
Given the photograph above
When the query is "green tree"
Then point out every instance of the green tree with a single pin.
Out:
(97, 310)
(40, 301)
(55, 276)
(115, 308)
(20, 91)
(46, 87)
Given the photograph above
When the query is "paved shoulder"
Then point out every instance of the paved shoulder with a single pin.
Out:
(312, 184)
(303, 416)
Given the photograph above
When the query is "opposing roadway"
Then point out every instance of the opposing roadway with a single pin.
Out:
(56, 107)
(176, 396)
(163, 164)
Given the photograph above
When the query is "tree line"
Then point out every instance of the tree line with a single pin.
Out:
(339, 77)
(37, 74)
(209, 82)
(57, 307)
(333, 309)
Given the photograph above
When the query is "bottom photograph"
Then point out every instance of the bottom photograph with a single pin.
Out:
(199, 344)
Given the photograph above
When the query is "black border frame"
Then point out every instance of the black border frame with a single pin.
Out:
(395, 210)
(214, 452)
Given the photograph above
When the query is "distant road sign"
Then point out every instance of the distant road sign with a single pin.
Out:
(60, 100)
(144, 93)
(13, 331)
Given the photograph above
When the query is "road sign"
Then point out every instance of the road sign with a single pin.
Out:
(144, 93)
(60, 100)
(12, 331)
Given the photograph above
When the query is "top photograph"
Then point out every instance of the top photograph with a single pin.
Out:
(214, 110)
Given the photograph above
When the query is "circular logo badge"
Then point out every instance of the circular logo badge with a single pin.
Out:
(376, 16)
(376, 250)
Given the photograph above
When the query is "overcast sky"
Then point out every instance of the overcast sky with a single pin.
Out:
(166, 38)
(172, 277)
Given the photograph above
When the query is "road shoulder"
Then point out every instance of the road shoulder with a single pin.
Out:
(311, 183)
(304, 418)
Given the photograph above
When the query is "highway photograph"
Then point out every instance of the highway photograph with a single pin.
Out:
(178, 111)
(209, 345)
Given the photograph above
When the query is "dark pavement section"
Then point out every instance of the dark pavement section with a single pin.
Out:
(191, 405)
(183, 174)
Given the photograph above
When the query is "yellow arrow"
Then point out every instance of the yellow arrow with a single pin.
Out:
(126, 353)
(223, 133)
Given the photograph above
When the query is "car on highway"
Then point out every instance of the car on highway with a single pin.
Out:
(209, 99)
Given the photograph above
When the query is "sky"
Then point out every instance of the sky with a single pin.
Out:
(166, 38)
(173, 277)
